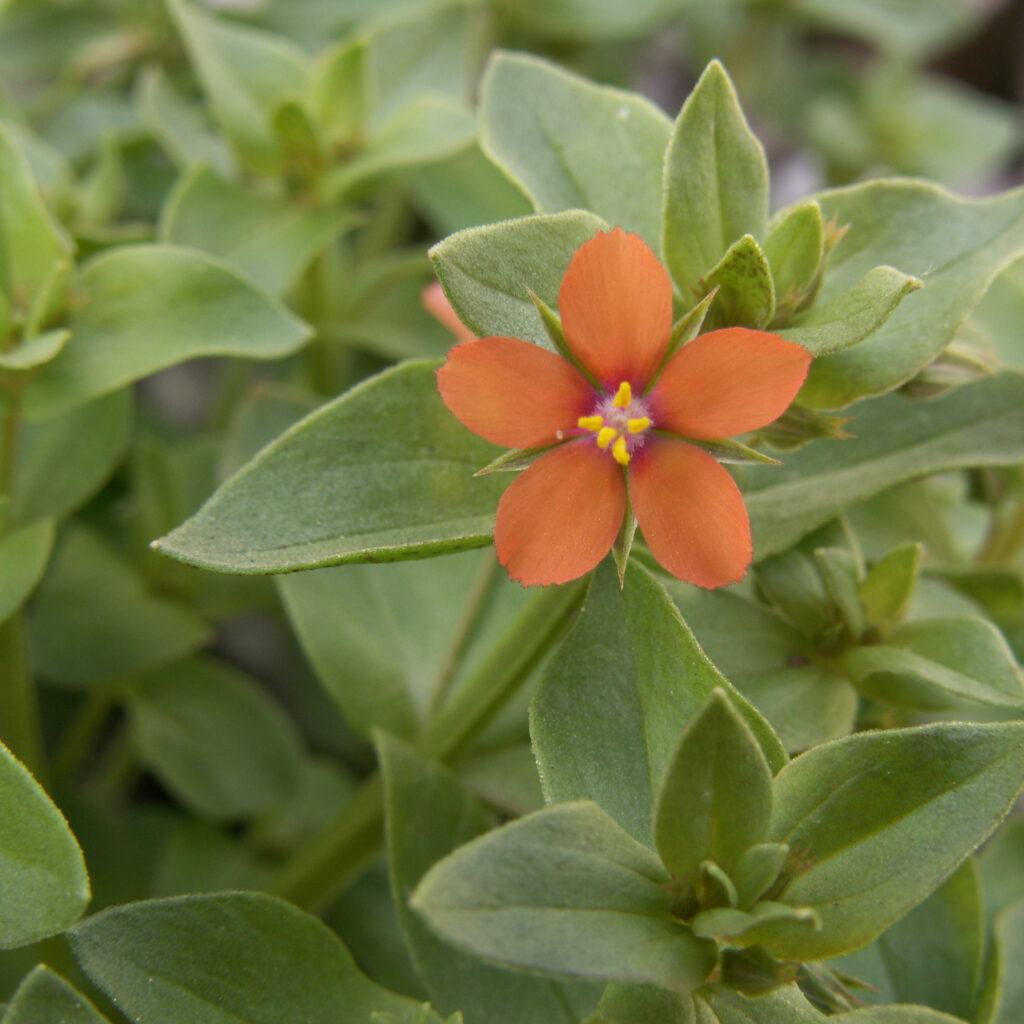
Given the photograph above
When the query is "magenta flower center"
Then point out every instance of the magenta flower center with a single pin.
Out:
(620, 423)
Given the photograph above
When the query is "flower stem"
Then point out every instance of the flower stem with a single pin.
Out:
(19, 702)
(322, 870)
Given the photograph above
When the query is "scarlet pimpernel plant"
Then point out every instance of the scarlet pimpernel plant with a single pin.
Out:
(575, 591)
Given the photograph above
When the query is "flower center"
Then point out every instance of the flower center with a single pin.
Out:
(620, 422)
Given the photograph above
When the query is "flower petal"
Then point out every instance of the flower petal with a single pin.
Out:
(561, 516)
(728, 382)
(691, 513)
(514, 393)
(436, 303)
(616, 309)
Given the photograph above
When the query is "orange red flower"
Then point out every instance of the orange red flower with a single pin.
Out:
(618, 419)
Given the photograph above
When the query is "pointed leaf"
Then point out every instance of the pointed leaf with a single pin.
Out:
(146, 307)
(716, 797)
(841, 574)
(429, 814)
(246, 958)
(716, 181)
(564, 891)
(795, 249)
(570, 144)
(887, 588)
(245, 74)
(45, 996)
(849, 318)
(757, 869)
(746, 293)
(955, 246)
(489, 272)
(43, 884)
(867, 847)
(36, 351)
(608, 713)
(784, 1006)
(731, 924)
(384, 472)
(939, 663)
(976, 425)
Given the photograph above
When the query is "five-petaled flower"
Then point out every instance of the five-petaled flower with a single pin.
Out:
(618, 423)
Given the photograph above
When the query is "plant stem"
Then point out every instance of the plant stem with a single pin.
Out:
(321, 871)
(19, 702)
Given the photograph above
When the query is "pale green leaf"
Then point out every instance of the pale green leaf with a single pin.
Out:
(146, 307)
(24, 552)
(887, 588)
(44, 997)
(382, 473)
(43, 883)
(795, 249)
(716, 181)
(36, 351)
(571, 144)
(746, 293)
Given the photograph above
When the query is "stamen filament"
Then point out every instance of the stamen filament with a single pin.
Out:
(638, 425)
(594, 423)
(624, 396)
(619, 452)
(605, 436)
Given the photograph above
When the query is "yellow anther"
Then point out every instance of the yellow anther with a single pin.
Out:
(639, 425)
(594, 423)
(624, 396)
(619, 452)
(605, 436)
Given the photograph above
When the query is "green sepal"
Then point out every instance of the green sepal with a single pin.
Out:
(828, 990)
(623, 545)
(757, 870)
(746, 293)
(715, 799)
(795, 250)
(714, 887)
(728, 450)
(729, 923)
(513, 461)
(553, 325)
(689, 325)
(754, 971)
(839, 570)
(889, 584)
(800, 424)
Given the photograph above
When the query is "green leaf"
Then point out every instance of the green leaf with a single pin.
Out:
(215, 738)
(841, 573)
(795, 250)
(63, 461)
(180, 126)
(384, 472)
(570, 144)
(146, 307)
(592, 20)
(245, 74)
(757, 869)
(564, 891)
(489, 272)
(239, 957)
(746, 294)
(36, 351)
(867, 847)
(793, 583)
(933, 956)
(939, 663)
(734, 925)
(43, 884)
(269, 238)
(847, 319)
(715, 800)
(81, 634)
(716, 181)
(45, 996)
(607, 715)
(31, 243)
(429, 814)
(955, 246)
(425, 129)
(978, 424)
(24, 552)
(386, 640)
(899, 1015)
(784, 1006)
(1002, 867)
(889, 584)
(1009, 934)
(339, 90)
